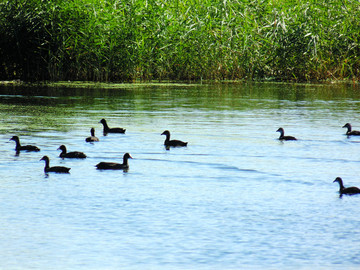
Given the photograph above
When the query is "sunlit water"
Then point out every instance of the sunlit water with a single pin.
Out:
(235, 198)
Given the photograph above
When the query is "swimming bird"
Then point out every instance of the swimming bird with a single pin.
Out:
(349, 131)
(173, 143)
(18, 147)
(285, 138)
(92, 138)
(344, 190)
(75, 154)
(111, 130)
(113, 165)
(57, 169)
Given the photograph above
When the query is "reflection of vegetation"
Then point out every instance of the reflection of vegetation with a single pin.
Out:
(25, 114)
(179, 40)
(67, 99)
(40, 109)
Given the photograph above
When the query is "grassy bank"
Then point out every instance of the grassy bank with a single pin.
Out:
(98, 40)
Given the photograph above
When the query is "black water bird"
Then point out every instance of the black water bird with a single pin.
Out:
(285, 138)
(111, 130)
(74, 154)
(113, 165)
(344, 190)
(19, 147)
(350, 132)
(173, 143)
(56, 169)
(92, 138)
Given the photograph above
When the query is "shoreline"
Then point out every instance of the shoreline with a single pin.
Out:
(109, 85)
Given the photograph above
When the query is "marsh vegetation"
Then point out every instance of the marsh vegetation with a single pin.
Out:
(98, 40)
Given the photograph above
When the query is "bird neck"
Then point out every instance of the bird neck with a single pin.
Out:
(106, 127)
(47, 164)
(341, 185)
(125, 161)
(18, 145)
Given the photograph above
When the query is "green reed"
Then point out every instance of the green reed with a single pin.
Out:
(114, 40)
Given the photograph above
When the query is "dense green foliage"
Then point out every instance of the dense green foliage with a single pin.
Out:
(129, 40)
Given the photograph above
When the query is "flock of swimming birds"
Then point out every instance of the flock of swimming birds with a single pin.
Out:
(100, 166)
(168, 143)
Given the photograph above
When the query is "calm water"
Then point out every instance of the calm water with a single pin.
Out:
(235, 198)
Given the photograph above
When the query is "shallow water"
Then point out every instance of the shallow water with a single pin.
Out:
(236, 197)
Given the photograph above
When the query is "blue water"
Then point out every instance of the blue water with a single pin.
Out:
(235, 198)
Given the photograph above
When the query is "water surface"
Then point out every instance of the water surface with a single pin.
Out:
(236, 197)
